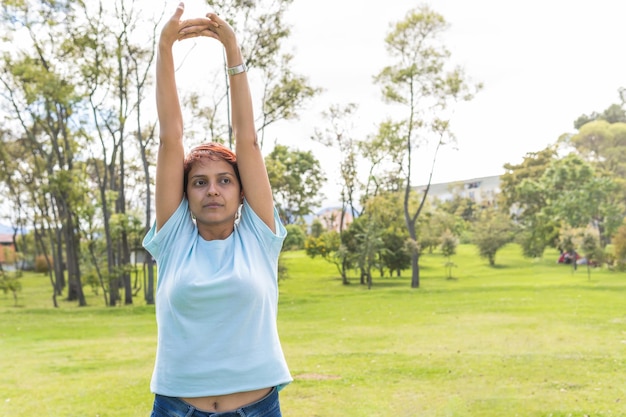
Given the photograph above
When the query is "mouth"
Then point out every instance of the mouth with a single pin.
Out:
(211, 205)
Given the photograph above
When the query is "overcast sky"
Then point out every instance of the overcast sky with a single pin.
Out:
(543, 63)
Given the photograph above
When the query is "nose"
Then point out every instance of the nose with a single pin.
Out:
(212, 189)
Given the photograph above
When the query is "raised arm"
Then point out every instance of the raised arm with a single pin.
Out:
(254, 178)
(171, 153)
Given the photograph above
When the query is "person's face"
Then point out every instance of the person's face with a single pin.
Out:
(213, 192)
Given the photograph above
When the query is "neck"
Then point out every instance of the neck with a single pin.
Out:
(215, 232)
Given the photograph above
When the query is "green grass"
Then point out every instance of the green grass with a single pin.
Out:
(524, 338)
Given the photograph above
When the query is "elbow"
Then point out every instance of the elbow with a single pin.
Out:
(246, 137)
(171, 135)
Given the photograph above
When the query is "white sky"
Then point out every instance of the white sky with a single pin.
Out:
(543, 63)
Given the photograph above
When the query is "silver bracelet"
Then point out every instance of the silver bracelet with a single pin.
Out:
(237, 69)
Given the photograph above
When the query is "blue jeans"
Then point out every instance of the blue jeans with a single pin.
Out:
(267, 406)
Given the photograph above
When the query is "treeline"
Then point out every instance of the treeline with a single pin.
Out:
(570, 196)
(78, 136)
(78, 140)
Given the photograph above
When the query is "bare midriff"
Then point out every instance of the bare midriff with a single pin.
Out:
(228, 402)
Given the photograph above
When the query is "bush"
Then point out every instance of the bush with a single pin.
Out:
(41, 265)
(295, 237)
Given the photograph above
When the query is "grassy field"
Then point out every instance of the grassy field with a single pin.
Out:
(524, 338)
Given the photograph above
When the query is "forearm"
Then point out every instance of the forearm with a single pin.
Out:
(244, 131)
(168, 105)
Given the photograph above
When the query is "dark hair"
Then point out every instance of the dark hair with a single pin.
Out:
(213, 151)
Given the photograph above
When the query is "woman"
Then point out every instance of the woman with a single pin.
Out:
(218, 348)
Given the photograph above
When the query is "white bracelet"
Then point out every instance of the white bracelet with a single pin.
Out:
(237, 69)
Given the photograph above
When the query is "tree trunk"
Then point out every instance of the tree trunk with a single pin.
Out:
(415, 269)
(149, 286)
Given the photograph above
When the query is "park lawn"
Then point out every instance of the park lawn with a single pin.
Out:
(523, 338)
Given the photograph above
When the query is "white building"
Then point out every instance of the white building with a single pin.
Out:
(483, 191)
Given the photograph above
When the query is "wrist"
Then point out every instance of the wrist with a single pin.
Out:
(237, 69)
(233, 55)
(165, 46)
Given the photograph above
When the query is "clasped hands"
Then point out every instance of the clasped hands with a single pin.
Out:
(211, 26)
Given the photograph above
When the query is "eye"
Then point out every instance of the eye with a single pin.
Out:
(198, 182)
(225, 180)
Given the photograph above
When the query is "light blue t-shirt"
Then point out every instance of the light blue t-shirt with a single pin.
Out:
(216, 307)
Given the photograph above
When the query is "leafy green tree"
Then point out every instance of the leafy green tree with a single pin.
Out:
(590, 248)
(432, 225)
(449, 243)
(490, 232)
(94, 69)
(532, 167)
(10, 283)
(383, 150)
(420, 83)
(40, 81)
(317, 228)
(603, 145)
(577, 196)
(296, 178)
(523, 198)
(383, 214)
(365, 245)
(327, 246)
(619, 245)
(460, 207)
(295, 237)
(615, 113)
(568, 242)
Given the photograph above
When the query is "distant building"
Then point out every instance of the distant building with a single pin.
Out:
(7, 248)
(330, 218)
(482, 191)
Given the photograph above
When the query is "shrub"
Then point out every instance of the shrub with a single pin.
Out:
(41, 265)
(295, 237)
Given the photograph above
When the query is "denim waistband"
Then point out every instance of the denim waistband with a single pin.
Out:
(183, 409)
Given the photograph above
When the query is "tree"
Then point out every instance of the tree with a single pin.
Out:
(577, 196)
(339, 136)
(9, 282)
(532, 167)
(603, 145)
(327, 246)
(117, 77)
(433, 224)
(363, 244)
(384, 151)
(89, 67)
(615, 113)
(491, 231)
(261, 30)
(295, 237)
(79, 143)
(522, 196)
(386, 232)
(462, 208)
(296, 178)
(418, 81)
(41, 91)
(590, 247)
(449, 242)
(619, 244)
(567, 243)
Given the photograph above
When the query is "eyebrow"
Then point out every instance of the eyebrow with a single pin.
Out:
(219, 174)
